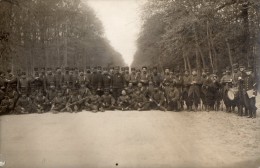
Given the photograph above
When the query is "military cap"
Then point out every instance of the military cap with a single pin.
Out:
(43, 68)
(144, 67)
(241, 66)
(132, 69)
(126, 68)
(81, 70)
(105, 68)
(249, 68)
(111, 67)
(155, 67)
(67, 68)
(99, 68)
(235, 65)
(106, 90)
(49, 69)
(167, 68)
(87, 67)
(9, 71)
(23, 73)
(35, 69)
(116, 67)
(122, 68)
(57, 68)
(227, 69)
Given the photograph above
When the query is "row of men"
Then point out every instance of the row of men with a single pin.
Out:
(164, 91)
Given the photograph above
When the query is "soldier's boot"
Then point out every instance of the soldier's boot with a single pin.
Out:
(250, 115)
(101, 109)
(233, 109)
(254, 114)
(195, 108)
(246, 113)
(207, 108)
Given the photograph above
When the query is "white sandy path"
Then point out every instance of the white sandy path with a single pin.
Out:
(131, 139)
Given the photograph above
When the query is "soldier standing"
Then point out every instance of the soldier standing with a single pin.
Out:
(23, 85)
(58, 79)
(133, 78)
(50, 80)
(144, 76)
(186, 87)
(106, 78)
(226, 82)
(117, 83)
(194, 90)
(250, 92)
(156, 77)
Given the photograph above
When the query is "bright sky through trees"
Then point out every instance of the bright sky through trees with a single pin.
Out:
(121, 23)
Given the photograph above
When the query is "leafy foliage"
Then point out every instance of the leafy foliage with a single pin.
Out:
(51, 33)
(199, 33)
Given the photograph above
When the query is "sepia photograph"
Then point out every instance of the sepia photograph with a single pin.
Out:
(129, 84)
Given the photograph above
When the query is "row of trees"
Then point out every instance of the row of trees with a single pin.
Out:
(199, 33)
(52, 33)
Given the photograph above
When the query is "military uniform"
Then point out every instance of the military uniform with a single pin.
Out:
(108, 102)
(117, 83)
(58, 103)
(24, 105)
(23, 85)
(173, 99)
(42, 104)
(194, 90)
(226, 82)
(124, 101)
(138, 101)
(93, 102)
(249, 93)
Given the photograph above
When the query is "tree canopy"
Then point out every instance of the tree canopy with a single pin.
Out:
(199, 33)
(52, 33)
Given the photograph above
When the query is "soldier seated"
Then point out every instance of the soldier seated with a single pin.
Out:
(24, 105)
(42, 104)
(123, 102)
(92, 103)
(173, 99)
(58, 103)
(108, 101)
(73, 102)
(139, 100)
(5, 106)
(156, 101)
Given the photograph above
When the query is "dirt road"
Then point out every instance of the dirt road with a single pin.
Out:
(130, 139)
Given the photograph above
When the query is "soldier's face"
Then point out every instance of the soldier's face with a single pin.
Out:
(248, 72)
(241, 69)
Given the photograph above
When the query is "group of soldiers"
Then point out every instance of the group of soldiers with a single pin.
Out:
(109, 88)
